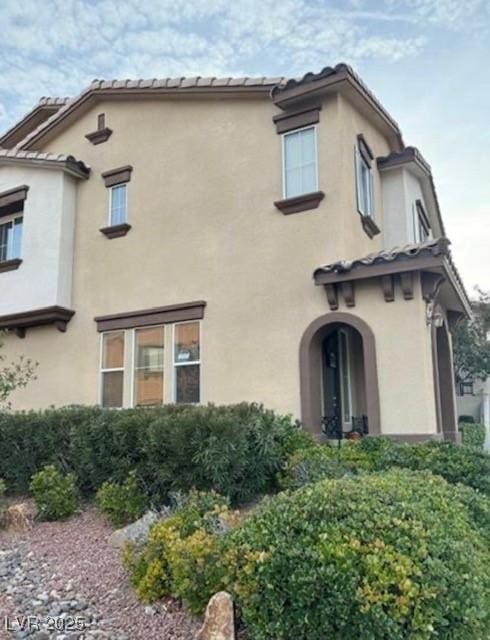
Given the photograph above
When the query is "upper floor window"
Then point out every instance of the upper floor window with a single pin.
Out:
(421, 226)
(300, 162)
(11, 239)
(118, 205)
(364, 178)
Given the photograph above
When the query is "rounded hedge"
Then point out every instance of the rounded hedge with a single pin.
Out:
(455, 463)
(390, 556)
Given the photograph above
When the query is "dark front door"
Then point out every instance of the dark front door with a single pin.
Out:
(332, 404)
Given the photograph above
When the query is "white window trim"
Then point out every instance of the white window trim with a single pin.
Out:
(102, 370)
(12, 219)
(358, 160)
(109, 213)
(283, 146)
(133, 365)
(185, 364)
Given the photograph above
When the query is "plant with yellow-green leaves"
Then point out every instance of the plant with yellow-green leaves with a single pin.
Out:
(183, 555)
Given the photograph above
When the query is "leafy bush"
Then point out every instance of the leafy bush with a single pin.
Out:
(183, 555)
(393, 555)
(56, 495)
(453, 462)
(236, 450)
(3, 490)
(122, 503)
(473, 434)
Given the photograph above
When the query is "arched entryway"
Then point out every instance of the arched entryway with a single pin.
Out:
(339, 380)
(444, 383)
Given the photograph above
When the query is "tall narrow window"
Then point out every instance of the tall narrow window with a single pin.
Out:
(112, 369)
(148, 366)
(118, 205)
(300, 162)
(11, 239)
(364, 181)
(345, 376)
(421, 226)
(187, 362)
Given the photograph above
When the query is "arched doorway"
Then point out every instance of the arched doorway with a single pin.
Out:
(339, 381)
(444, 383)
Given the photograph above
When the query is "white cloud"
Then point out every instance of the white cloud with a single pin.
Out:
(58, 46)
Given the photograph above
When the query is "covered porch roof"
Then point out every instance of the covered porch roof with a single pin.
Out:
(432, 258)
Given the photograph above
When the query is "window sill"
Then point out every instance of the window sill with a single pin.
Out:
(99, 136)
(303, 202)
(10, 265)
(116, 231)
(369, 226)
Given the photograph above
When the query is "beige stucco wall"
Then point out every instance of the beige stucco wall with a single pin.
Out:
(205, 175)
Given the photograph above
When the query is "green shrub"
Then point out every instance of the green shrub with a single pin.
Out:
(311, 465)
(383, 556)
(3, 506)
(55, 495)
(473, 434)
(122, 503)
(183, 557)
(236, 450)
(453, 462)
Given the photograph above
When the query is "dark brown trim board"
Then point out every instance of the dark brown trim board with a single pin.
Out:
(10, 265)
(117, 176)
(297, 119)
(300, 203)
(18, 194)
(19, 322)
(365, 149)
(309, 369)
(369, 226)
(154, 316)
(116, 230)
(99, 136)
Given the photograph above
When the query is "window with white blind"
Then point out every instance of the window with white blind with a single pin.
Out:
(300, 162)
(11, 239)
(118, 204)
(364, 183)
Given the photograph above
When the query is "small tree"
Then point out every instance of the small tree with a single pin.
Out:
(14, 375)
(471, 342)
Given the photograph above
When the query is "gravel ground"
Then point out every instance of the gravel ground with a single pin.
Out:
(69, 569)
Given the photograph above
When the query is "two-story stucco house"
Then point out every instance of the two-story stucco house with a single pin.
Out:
(224, 240)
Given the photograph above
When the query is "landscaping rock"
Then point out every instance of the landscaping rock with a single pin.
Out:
(219, 621)
(137, 532)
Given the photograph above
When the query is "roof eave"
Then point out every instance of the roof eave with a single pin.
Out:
(72, 168)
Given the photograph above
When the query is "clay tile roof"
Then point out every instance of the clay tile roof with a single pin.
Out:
(42, 157)
(436, 247)
(430, 247)
(148, 85)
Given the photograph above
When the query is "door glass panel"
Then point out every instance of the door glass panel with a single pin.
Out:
(345, 373)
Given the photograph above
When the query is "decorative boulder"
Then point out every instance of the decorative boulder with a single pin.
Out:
(136, 532)
(20, 516)
(219, 621)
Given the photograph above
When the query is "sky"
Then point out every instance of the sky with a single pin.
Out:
(428, 61)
